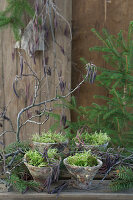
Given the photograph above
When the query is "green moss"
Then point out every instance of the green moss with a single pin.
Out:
(82, 159)
(93, 139)
(49, 137)
(36, 159)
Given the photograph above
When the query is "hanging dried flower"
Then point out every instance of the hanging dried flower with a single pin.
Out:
(14, 89)
(49, 71)
(62, 85)
(37, 8)
(13, 55)
(21, 65)
(63, 120)
(91, 72)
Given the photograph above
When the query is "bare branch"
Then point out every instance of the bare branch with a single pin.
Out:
(4, 132)
(44, 102)
(31, 121)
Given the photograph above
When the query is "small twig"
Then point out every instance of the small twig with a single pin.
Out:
(17, 165)
(4, 132)
(34, 74)
(38, 123)
(35, 116)
(14, 153)
(4, 161)
(61, 16)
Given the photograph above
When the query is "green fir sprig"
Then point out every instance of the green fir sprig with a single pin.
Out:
(115, 115)
(13, 15)
(22, 185)
(20, 177)
(123, 180)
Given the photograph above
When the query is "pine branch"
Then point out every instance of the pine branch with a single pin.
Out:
(13, 15)
(124, 179)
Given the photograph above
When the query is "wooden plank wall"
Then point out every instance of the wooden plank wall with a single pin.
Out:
(9, 69)
(87, 14)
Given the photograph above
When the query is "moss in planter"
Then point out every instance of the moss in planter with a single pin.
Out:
(49, 137)
(93, 139)
(36, 159)
(82, 159)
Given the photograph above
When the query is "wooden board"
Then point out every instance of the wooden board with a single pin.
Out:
(66, 196)
(87, 14)
(25, 87)
(102, 193)
(8, 73)
(2, 94)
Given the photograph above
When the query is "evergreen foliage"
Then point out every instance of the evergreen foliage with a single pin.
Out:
(18, 181)
(115, 116)
(24, 146)
(123, 180)
(13, 15)
(13, 147)
(71, 127)
(20, 177)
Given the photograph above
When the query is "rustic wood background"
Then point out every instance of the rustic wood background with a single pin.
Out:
(85, 14)
(9, 69)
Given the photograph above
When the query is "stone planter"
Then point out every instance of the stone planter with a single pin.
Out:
(42, 174)
(40, 146)
(82, 176)
(94, 147)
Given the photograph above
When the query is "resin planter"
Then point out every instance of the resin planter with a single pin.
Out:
(41, 146)
(82, 176)
(42, 174)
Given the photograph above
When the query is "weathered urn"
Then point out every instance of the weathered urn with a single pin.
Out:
(42, 174)
(41, 146)
(94, 147)
(82, 176)
(39, 174)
